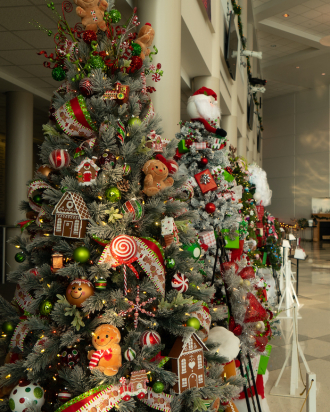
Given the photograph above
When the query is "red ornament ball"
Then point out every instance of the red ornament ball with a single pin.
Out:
(59, 158)
(136, 63)
(106, 158)
(204, 161)
(85, 87)
(64, 395)
(150, 338)
(180, 282)
(210, 208)
(89, 36)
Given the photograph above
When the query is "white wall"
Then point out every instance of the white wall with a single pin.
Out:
(296, 151)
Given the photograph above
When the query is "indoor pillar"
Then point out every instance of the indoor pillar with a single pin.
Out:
(19, 162)
(165, 17)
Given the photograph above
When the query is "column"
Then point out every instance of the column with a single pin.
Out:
(165, 18)
(19, 161)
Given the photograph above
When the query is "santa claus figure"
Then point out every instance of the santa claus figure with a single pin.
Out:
(202, 107)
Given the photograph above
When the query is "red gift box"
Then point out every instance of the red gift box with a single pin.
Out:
(205, 181)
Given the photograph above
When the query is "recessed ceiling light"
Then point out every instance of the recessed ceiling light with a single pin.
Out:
(285, 15)
(323, 74)
(297, 67)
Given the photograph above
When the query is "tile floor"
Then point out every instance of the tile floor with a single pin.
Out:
(314, 331)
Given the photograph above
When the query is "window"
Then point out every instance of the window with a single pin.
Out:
(190, 344)
(59, 224)
(184, 382)
(199, 361)
(183, 366)
(200, 378)
(76, 226)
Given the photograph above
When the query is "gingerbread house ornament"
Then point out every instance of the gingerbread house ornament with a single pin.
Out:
(71, 216)
(188, 363)
(87, 172)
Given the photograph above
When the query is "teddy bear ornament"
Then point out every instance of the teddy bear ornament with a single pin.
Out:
(92, 13)
(107, 356)
(156, 179)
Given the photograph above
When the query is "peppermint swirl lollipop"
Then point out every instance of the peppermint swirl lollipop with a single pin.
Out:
(123, 248)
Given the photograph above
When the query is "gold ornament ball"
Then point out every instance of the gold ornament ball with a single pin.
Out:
(246, 283)
(259, 325)
(45, 170)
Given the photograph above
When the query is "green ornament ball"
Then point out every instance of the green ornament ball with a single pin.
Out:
(193, 323)
(96, 62)
(112, 194)
(115, 15)
(100, 284)
(45, 307)
(58, 74)
(64, 189)
(170, 263)
(136, 49)
(81, 254)
(134, 121)
(158, 387)
(20, 257)
(7, 327)
(37, 199)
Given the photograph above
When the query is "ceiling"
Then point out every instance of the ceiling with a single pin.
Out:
(293, 58)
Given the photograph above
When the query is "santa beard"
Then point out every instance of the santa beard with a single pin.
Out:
(207, 109)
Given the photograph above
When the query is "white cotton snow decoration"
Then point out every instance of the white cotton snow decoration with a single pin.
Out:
(263, 194)
(228, 342)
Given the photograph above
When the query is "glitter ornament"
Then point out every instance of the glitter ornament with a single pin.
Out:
(115, 15)
(89, 36)
(45, 307)
(210, 208)
(134, 207)
(121, 131)
(136, 63)
(193, 323)
(100, 284)
(134, 121)
(158, 387)
(85, 87)
(180, 283)
(78, 291)
(130, 354)
(70, 357)
(64, 395)
(96, 62)
(58, 73)
(20, 257)
(24, 394)
(59, 158)
(107, 158)
(150, 338)
(81, 254)
(136, 49)
(112, 194)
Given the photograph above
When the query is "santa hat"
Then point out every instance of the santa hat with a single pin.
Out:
(204, 91)
(171, 164)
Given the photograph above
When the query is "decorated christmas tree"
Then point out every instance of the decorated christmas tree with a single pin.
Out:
(111, 309)
(218, 188)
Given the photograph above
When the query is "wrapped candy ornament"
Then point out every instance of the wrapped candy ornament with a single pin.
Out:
(180, 282)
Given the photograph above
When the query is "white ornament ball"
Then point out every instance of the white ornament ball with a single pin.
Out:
(180, 282)
(24, 393)
(260, 326)
(129, 354)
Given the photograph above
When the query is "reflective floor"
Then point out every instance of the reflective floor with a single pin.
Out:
(314, 331)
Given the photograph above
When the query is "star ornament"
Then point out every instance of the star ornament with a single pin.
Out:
(137, 307)
(113, 215)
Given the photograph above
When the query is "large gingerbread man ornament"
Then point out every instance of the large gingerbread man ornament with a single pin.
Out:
(145, 38)
(156, 177)
(107, 357)
(92, 13)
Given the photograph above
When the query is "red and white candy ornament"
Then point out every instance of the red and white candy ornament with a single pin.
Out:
(180, 282)
(150, 338)
(59, 158)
